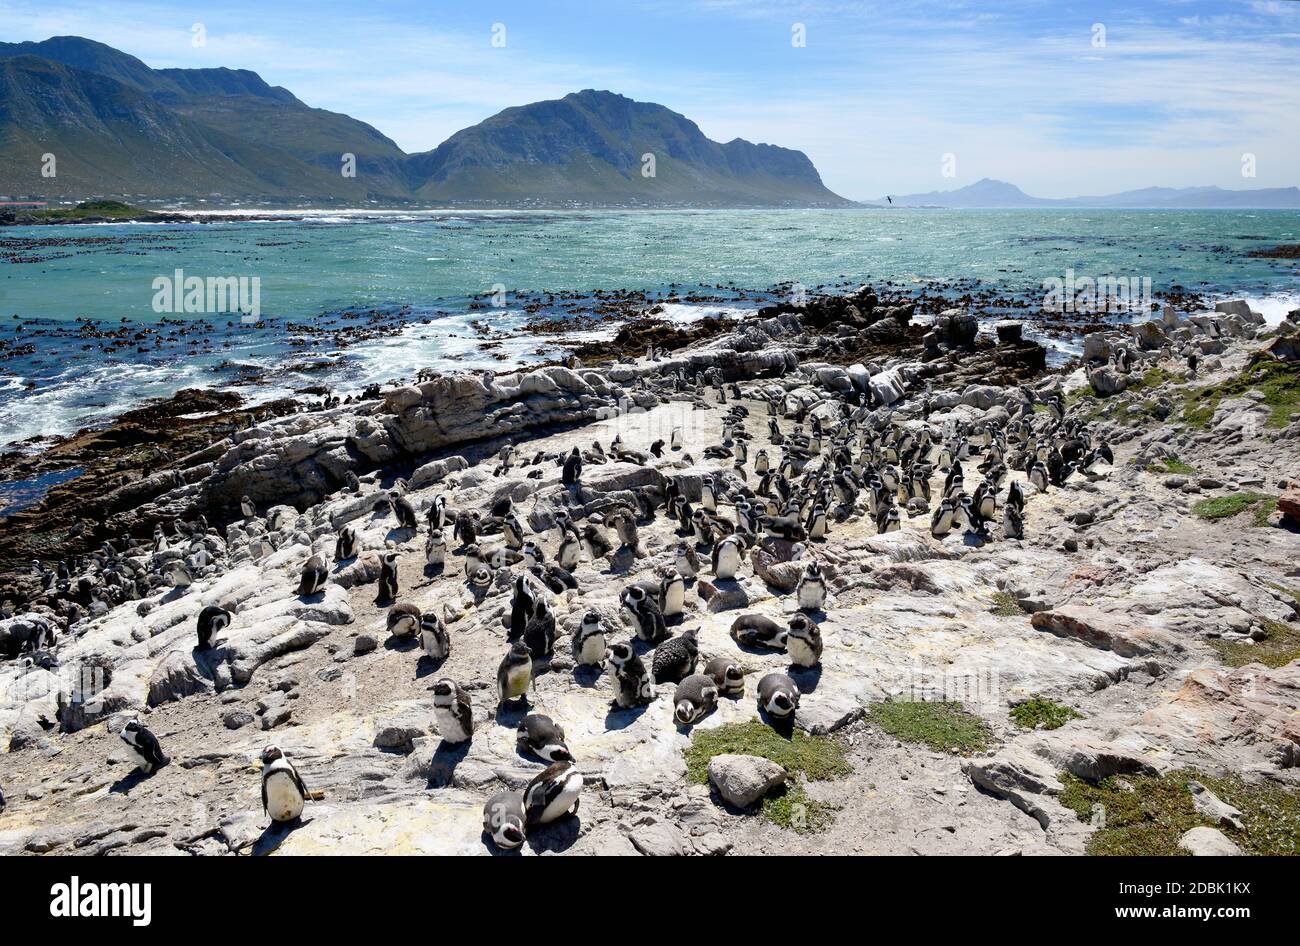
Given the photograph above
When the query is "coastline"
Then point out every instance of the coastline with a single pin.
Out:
(1122, 602)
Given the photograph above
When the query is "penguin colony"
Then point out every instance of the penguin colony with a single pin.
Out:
(834, 465)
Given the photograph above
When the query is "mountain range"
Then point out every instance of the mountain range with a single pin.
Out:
(118, 128)
(989, 193)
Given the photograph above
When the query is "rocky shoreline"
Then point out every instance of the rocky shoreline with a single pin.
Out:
(1150, 607)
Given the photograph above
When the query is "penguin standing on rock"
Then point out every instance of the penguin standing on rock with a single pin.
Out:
(728, 555)
(453, 711)
(283, 792)
(406, 518)
(686, 561)
(348, 544)
(212, 620)
(515, 673)
(672, 592)
(144, 745)
(572, 471)
(313, 576)
(589, 640)
(387, 577)
(247, 508)
(643, 612)
(803, 641)
(632, 685)
(434, 637)
(811, 590)
(435, 548)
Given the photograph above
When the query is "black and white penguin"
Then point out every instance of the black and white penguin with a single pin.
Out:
(672, 592)
(552, 793)
(144, 745)
(632, 686)
(1013, 523)
(247, 508)
(515, 673)
(624, 526)
(212, 620)
(675, 439)
(643, 612)
(803, 641)
(348, 544)
(404, 620)
(178, 575)
(1039, 476)
(480, 580)
(523, 605)
(728, 556)
(727, 675)
(513, 532)
(466, 528)
(778, 695)
(405, 512)
(540, 633)
(533, 556)
(314, 573)
(696, 697)
(686, 561)
(758, 630)
(589, 640)
(434, 637)
(942, 521)
(811, 590)
(572, 471)
(387, 577)
(437, 516)
(543, 737)
(283, 790)
(595, 542)
(569, 553)
(453, 711)
(676, 657)
(503, 819)
(435, 548)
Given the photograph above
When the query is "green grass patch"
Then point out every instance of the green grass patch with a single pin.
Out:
(1278, 381)
(92, 209)
(816, 758)
(1146, 815)
(1234, 504)
(1279, 648)
(1174, 465)
(1040, 713)
(943, 726)
(1005, 605)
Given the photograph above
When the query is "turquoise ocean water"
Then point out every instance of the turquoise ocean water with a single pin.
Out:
(433, 272)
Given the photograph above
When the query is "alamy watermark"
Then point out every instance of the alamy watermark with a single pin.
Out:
(209, 295)
(1088, 294)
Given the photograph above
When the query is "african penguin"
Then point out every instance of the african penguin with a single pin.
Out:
(313, 576)
(552, 793)
(453, 711)
(632, 685)
(778, 695)
(503, 819)
(515, 673)
(811, 589)
(144, 745)
(543, 737)
(758, 630)
(283, 791)
(589, 640)
(727, 675)
(675, 658)
(348, 544)
(212, 620)
(403, 620)
(696, 696)
(803, 641)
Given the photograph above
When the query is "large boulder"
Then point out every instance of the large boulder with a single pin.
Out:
(744, 779)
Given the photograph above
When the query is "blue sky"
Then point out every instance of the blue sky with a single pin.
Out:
(1020, 91)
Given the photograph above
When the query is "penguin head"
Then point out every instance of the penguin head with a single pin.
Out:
(684, 713)
(780, 704)
(519, 652)
(444, 691)
(618, 655)
(271, 754)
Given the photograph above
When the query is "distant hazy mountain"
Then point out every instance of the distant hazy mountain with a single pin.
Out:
(995, 194)
(588, 146)
(120, 128)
